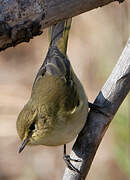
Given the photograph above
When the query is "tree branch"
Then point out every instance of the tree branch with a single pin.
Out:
(21, 20)
(109, 99)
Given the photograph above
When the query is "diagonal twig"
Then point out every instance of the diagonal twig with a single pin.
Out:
(109, 99)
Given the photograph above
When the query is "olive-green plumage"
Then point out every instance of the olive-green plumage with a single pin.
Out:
(57, 109)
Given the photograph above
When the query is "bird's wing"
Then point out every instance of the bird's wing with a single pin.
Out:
(56, 62)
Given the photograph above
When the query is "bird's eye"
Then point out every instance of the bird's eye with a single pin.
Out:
(32, 127)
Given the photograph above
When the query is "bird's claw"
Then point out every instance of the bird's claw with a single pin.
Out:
(67, 160)
(97, 109)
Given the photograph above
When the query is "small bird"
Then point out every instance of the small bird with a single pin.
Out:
(57, 109)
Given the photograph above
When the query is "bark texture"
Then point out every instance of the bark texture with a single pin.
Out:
(21, 20)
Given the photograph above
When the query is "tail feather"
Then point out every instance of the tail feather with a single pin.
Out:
(58, 35)
(56, 62)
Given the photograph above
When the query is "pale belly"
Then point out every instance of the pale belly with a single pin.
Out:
(65, 130)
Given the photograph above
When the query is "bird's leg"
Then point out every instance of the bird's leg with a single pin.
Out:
(97, 108)
(67, 160)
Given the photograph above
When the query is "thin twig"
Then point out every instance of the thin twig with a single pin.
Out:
(109, 99)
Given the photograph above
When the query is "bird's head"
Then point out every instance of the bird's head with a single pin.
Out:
(26, 126)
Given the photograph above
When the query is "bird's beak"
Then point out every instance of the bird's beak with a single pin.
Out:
(23, 144)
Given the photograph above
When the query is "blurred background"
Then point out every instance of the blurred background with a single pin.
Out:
(96, 41)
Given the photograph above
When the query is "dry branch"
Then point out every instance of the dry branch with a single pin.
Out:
(21, 20)
(109, 99)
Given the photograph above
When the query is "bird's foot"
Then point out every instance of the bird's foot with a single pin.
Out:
(97, 108)
(68, 160)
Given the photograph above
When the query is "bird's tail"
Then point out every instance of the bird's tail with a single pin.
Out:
(58, 35)
(56, 62)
